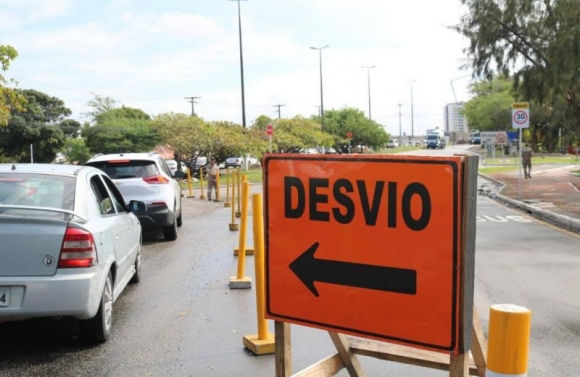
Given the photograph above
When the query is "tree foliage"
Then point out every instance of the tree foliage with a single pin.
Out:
(366, 132)
(117, 134)
(291, 135)
(100, 105)
(10, 99)
(491, 105)
(535, 42)
(40, 107)
(76, 151)
(18, 136)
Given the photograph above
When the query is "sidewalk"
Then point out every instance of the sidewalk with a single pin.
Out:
(553, 192)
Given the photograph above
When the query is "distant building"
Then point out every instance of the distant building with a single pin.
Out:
(455, 122)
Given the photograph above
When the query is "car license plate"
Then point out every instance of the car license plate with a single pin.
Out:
(4, 297)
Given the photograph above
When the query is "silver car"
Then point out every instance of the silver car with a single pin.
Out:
(69, 245)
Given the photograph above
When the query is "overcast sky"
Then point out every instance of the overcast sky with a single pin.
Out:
(151, 54)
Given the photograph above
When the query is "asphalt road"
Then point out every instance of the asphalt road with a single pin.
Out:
(182, 319)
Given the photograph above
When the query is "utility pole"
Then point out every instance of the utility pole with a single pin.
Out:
(192, 100)
(369, 86)
(321, 94)
(400, 130)
(412, 118)
(279, 113)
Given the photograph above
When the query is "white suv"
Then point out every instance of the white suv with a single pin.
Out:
(147, 178)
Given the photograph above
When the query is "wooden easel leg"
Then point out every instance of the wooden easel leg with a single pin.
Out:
(459, 365)
(283, 349)
(479, 345)
(349, 359)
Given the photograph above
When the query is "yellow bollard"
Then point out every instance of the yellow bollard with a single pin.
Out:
(240, 281)
(217, 187)
(249, 251)
(227, 203)
(233, 225)
(508, 341)
(201, 196)
(263, 343)
(189, 184)
(239, 182)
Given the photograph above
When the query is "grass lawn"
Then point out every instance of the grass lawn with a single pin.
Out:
(536, 159)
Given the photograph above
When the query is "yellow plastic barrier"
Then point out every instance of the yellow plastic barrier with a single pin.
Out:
(189, 184)
(227, 203)
(264, 342)
(508, 341)
(240, 281)
(201, 196)
(239, 183)
(233, 225)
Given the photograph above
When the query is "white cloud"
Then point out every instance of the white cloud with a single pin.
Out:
(151, 56)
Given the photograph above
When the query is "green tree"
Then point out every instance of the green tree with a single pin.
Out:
(100, 105)
(40, 107)
(490, 108)
(123, 112)
(117, 134)
(18, 136)
(291, 135)
(10, 99)
(536, 42)
(70, 127)
(76, 151)
(366, 132)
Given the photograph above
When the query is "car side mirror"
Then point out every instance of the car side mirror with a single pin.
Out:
(137, 206)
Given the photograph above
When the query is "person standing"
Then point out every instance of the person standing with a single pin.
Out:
(527, 161)
(212, 172)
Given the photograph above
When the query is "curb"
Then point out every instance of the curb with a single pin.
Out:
(566, 222)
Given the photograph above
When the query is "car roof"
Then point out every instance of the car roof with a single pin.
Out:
(45, 168)
(124, 156)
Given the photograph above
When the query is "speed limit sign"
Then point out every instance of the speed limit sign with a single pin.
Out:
(521, 115)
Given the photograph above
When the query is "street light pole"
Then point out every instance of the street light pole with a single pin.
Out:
(369, 86)
(412, 117)
(241, 64)
(321, 95)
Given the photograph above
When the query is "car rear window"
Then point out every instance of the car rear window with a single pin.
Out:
(37, 190)
(127, 169)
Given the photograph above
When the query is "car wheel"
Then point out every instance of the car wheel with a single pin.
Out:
(137, 275)
(180, 219)
(98, 328)
(170, 232)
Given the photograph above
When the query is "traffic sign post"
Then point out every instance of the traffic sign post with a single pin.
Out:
(380, 247)
(521, 115)
(520, 119)
(349, 136)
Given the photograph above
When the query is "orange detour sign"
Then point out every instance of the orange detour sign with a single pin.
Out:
(366, 245)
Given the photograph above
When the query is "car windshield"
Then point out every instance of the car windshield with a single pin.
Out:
(127, 169)
(37, 190)
(431, 137)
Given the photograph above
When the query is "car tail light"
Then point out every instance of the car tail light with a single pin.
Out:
(78, 249)
(156, 180)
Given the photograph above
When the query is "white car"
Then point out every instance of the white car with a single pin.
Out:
(147, 178)
(70, 245)
(172, 164)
